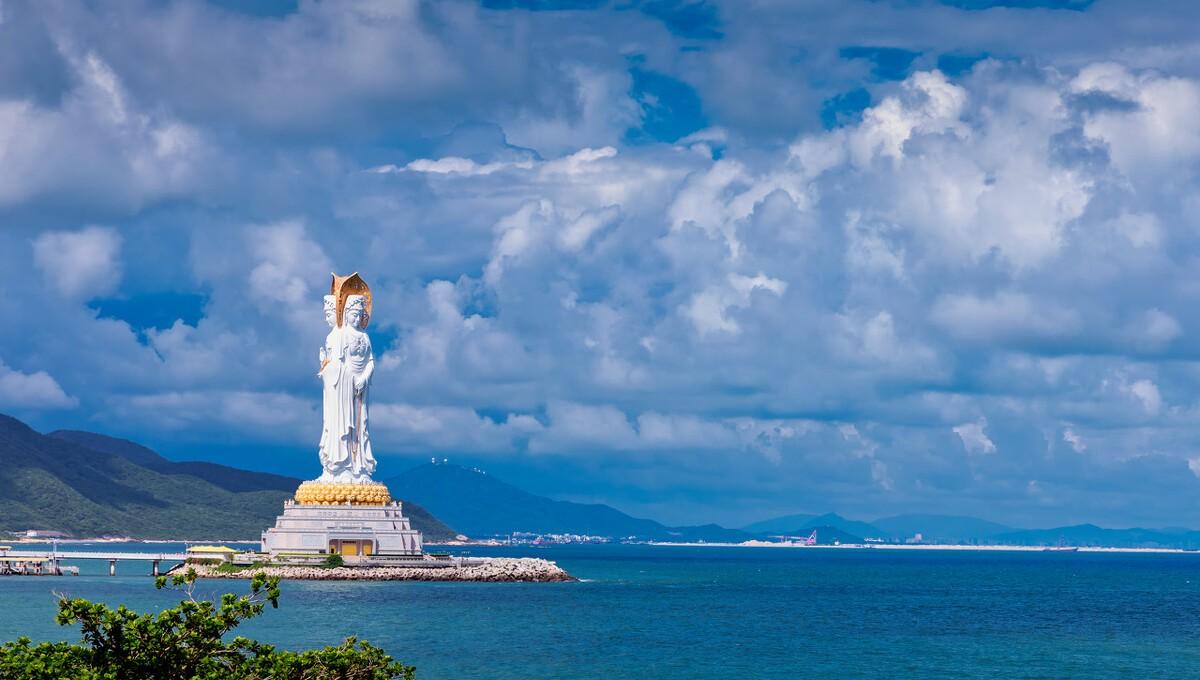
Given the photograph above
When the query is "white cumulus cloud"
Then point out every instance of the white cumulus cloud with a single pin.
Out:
(37, 390)
(974, 437)
(84, 263)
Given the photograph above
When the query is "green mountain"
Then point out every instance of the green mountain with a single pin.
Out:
(228, 478)
(88, 485)
(481, 505)
(432, 529)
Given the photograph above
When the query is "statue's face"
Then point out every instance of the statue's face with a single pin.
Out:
(353, 317)
(330, 311)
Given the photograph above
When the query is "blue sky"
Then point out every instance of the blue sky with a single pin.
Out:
(703, 261)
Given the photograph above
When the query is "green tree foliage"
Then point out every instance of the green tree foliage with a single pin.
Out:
(187, 643)
(334, 560)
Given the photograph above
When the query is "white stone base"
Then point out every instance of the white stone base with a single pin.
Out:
(315, 529)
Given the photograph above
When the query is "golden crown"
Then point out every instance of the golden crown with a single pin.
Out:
(342, 287)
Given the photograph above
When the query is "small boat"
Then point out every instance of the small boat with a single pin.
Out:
(1061, 547)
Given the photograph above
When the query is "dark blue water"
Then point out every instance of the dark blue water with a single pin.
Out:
(658, 612)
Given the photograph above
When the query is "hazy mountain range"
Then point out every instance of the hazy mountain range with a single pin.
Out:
(972, 530)
(89, 484)
(478, 504)
(933, 528)
(481, 505)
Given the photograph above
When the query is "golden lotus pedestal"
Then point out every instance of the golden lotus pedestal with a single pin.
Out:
(320, 493)
(348, 519)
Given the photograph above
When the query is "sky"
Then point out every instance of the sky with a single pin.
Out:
(702, 261)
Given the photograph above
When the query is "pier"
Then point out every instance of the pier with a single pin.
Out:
(48, 563)
(17, 566)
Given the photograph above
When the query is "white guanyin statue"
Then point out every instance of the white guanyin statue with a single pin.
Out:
(347, 364)
(344, 512)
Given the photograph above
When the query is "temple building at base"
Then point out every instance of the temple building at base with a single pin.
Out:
(348, 530)
(345, 519)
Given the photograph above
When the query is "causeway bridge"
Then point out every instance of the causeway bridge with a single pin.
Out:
(52, 557)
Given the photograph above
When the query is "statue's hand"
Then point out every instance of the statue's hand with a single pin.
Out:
(358, 384)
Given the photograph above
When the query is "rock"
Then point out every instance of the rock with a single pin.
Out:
(487, 569)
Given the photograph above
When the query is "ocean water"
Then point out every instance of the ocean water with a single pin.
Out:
(666, 612)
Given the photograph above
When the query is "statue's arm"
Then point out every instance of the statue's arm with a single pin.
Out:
(323, 359)
(369, 369)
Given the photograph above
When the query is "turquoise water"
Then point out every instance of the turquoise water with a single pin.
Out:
(659, 612)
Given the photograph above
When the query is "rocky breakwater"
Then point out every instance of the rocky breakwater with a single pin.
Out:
(488, 570)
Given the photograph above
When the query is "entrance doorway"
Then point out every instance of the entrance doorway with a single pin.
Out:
(351, 547)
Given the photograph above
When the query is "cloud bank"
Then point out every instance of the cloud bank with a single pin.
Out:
(882, 257)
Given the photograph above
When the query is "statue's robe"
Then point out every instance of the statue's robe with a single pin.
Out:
(345, 441)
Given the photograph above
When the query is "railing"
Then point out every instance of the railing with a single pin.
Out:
(54, 556)
(90, 555)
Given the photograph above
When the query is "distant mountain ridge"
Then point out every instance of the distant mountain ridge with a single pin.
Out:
(481, 505)
(775, 525)
(932, 528)
(92, 485)
(950, 528)
(800, 524)
(224, 476)
(1092, 535)
(959, 529)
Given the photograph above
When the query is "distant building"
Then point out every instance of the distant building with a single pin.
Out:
(210, 553)
(41, 533)
(530, 538)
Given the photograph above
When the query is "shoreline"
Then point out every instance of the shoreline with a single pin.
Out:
(126, 539)
(672, 544)
(928, 546)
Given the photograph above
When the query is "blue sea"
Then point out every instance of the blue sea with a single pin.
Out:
(707, 612)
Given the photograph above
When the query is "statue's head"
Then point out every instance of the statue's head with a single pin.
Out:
(331, 310)
(355, 313)
(345, 287)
